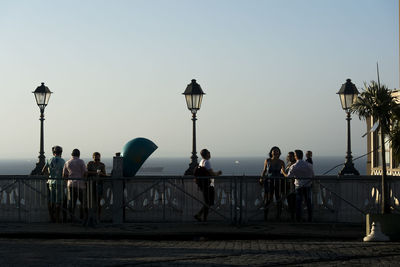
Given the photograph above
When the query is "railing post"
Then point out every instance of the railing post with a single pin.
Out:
(89, 199)
(245, 199)
(240, 199)
(336, 201)
(19, 200)
(235, 192)
(231, 198)
(118, 190)
(163, 198)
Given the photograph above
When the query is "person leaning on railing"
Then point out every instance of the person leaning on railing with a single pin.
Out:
(273, 184)
(55, 184)
(301, 170)
(76, 168)
(96, 170)
(289, 186)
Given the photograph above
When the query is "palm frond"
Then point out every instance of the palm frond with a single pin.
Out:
(376, 101)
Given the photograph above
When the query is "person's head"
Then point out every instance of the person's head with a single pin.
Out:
(290, 157)
(309, 154)
(96, 156)
(76, 153)
(57, 150)
(275, 152)
(298, 154)
(205, 154)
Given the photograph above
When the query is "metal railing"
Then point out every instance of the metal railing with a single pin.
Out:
(238, 199)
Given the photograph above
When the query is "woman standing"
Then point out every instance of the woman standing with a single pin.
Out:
(273, 184)
(290, 191)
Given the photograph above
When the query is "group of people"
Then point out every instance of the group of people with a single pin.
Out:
(67, 184)
(296, 188)
(289, 181)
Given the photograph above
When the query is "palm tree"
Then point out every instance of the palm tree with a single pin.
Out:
(377, 101)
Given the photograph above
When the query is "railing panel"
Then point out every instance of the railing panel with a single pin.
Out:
(238, 199)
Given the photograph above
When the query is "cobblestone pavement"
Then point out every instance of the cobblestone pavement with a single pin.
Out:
(83, 252)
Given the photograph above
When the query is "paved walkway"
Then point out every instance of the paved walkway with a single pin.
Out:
(88, 252)
(187, 231)
(191, 244)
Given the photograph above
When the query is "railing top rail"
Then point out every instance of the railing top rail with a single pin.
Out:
(326, 178)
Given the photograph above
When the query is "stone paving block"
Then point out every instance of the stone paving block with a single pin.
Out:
(195, 253)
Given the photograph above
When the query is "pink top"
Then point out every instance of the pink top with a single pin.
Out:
(75, 168)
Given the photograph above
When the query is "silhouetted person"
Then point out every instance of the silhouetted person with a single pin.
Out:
(309, 157)
(290, 189)
(273, 185)
(96, 170)
(302, 170)
(76, 168)
(208, 189)
(54, 167)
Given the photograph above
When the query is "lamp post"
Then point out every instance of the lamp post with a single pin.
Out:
(194, 95)
(348, 95)
(42, 96)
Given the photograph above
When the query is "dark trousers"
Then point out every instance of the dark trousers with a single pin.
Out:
(273, 187)
(94, 193)
(75, 193)
(57, 202)
(291, 199)
(209, 196)
(303, 193)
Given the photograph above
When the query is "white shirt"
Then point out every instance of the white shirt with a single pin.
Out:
(75, 168)
(207, 164)
(301, 170)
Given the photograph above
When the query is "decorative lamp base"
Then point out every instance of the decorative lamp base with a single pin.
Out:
(38, 169)
(349, 169)
(191, 168)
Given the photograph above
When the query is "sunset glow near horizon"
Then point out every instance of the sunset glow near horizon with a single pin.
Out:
(270, 71)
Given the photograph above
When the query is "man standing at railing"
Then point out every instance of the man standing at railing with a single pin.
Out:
(76, 168)
(95, 170)
(301, 170)
(54, 168)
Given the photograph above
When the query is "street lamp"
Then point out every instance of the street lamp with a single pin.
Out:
(42, 96)
(348, 95)
(194, 95)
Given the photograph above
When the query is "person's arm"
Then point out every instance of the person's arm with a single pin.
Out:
(65, 171)
(265, 168)
(103, 170)
(213, 173)
(207, 165)
(291, 172)
(45, 170)
(85, 173)
(90, 171)
(284, 172)
(283, 168)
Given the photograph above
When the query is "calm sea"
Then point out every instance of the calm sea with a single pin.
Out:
(177, 166)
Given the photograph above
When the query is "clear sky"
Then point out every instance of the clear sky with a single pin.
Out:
(270, 70)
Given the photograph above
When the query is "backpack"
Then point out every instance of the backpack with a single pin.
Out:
(200, 173)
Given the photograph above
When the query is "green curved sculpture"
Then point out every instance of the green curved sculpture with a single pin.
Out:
(135, 153)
